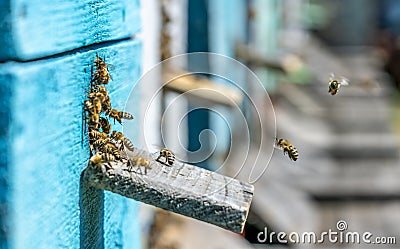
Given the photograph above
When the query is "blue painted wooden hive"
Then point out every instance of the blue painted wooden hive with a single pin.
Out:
(46, 53)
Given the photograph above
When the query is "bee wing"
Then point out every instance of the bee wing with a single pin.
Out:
(344, 81)
(110, 66)
(331, 76)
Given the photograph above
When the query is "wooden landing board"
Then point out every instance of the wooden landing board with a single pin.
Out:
(182, 188)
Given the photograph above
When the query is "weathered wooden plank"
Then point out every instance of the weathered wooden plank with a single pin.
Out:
(202, 88)
(43, 202)
(253, 58)
(33, 29)
(181, 188)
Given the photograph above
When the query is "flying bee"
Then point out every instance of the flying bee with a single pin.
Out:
(105, 125)
(101, 76)
(287, 148)
(118, 115)
(101, 158)
(95, 135)
(335, 84)
(168, 155)
(139, 162)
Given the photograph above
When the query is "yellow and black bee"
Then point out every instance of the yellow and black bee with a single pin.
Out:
(97, 105)
(335, 84)
(101, 93)
(105, 125)
(168, 155)
(287, 148)
(95, 135)
(94, 119)
(101, 158)
(118, 115)
(101, 76)
(89, 107)
(119, 137)
(139, 162)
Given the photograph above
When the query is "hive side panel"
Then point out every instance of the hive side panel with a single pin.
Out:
(47, 153)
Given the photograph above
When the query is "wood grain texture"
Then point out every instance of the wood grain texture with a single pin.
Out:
(182, 188)
(42, 200)
(34, 29)
(202, 88)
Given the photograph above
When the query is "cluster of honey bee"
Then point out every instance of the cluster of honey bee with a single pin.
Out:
(106, 146)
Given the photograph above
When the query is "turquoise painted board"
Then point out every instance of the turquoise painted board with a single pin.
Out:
(36, 28)
(227, 27)
(43, 203)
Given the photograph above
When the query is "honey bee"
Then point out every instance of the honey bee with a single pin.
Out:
(128, 144)
(95, 135)
(94, 121)
(106, 104)
(89, 107)
(97, 144)
(105, 101)
(98, 95)
(168, 155)
(101, 89)
(97, 105)
(110, 148)
(335, 84)
(101, 158)
(118, 115)
(139, 162)
(101, 76)
(105, 125)
(287, 148)
(118, 136)
(106, 146)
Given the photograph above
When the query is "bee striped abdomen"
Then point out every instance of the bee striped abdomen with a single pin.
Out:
(292, 153)
(105, 125)
(168, 155)
(128, 144)
(287, 148)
